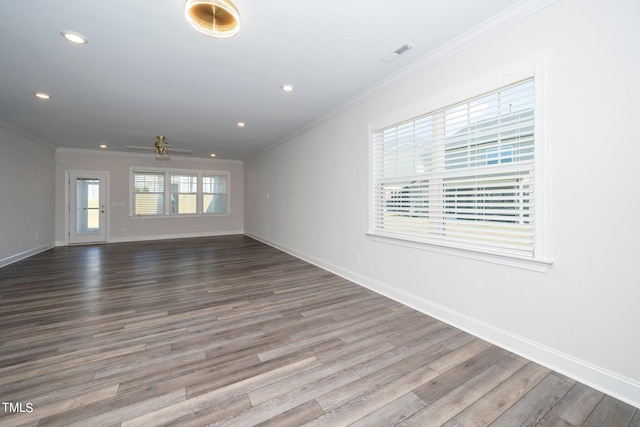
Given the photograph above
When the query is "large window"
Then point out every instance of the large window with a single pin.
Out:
(462, 176)
(168, 193)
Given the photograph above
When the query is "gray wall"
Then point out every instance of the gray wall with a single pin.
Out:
(26, 197)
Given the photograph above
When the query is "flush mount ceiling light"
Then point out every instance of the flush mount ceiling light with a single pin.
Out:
(215, 18)
(74, 37)
(287, 87)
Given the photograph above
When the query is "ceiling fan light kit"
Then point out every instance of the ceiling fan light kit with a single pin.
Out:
(160, 148)
(215, 18)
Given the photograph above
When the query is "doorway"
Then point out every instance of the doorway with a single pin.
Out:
(87, 207)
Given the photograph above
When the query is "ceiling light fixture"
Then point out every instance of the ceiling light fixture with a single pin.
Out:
(42, 95)
(241, 124)
(287, 87)
(215, 18)
(103, 146)
(160, 148)
(213, 154)
(73, 37)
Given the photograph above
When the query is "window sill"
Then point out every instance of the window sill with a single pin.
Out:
(541, 265)
(207, 215)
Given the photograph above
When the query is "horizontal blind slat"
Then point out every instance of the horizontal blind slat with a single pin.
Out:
(460, 176)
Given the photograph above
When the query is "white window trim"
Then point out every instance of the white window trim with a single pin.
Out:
(167, 192)
(535, 67)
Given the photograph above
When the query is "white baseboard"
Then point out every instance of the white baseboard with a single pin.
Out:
(615, 385)
(173, 236)
(23, 255)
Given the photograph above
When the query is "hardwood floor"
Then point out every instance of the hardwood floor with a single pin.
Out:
(229, 331)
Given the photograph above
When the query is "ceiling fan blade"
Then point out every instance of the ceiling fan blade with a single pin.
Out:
(134, 147)
(178, 150)
(169, 149)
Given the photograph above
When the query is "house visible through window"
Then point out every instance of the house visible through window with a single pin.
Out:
(167, 192)
(462, 176)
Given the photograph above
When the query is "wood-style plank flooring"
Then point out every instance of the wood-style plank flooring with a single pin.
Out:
(229, 331)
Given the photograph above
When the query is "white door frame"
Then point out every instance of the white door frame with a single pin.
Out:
(72, 237)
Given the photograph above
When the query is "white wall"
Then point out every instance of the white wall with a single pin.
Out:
(123, 227)
(309, 195)
(26, 197)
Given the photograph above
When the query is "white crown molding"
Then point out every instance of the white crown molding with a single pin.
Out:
(147, 156)
(480, 32)
(14, 130)
(469, 38)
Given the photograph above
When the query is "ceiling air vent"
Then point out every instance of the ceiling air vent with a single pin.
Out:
(396, 52)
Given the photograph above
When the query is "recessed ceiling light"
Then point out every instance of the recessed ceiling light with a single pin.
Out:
(213, 154)
(103, 145)
(74, 37)
(287, 87)
(42, 95)
(215, 18)
(241, 124)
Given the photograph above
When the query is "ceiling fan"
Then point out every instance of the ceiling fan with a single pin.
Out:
(160, 148)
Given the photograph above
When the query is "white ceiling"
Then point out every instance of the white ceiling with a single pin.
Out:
(146, 72)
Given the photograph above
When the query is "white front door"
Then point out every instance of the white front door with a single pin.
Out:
(87, 210)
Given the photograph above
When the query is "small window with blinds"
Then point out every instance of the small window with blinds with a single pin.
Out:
(184, 193)
(462, 176)
(149, 193)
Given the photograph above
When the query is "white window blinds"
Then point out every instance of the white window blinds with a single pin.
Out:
(148, 193)
(184, 192)
(462, 176)
(179, 193)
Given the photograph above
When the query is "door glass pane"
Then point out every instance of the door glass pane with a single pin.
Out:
(88, 206)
